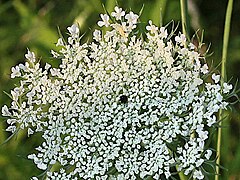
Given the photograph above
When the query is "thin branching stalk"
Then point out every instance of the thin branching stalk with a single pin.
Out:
(223, 77)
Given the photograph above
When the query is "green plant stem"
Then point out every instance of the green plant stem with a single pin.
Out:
(185, 26)
(223, 77)
(184, 17)
(182, 176)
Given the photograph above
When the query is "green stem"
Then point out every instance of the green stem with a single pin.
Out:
(182, 176)
(223, 77)
(184, 17)
(185, 29)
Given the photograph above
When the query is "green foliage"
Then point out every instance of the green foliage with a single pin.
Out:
(33, 24)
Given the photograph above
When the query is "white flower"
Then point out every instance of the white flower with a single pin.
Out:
(131, 18)
(197, 82)
(118, 13)
(54, 71)
(30, 56)
(227, 87)
(42, 166)
(15, 72)
(163, 32)
(204, 69)
(5, 111)
(24, 67)
(15, 95)
(153, 29)
(55, 54)
(30, 131)
(34, 178)
(216, 78)
(169, 61)
(211, 120)
(199, 162)
(219, 97)
(11, 129)
(105, 20)
(181, 39)
(97, 35)
(47, 66)
(73, 30)
(208, 154)
(60, 42)
(192, 46)
(198, 174)
(31, 93)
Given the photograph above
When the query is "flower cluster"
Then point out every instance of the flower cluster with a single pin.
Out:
(120, 107)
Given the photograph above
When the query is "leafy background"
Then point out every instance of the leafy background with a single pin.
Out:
(33, 24)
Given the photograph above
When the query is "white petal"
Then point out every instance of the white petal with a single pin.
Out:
(5, 111)
(30, 56)
(42, 166)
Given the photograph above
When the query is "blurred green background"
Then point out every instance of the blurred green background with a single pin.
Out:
(33, 24)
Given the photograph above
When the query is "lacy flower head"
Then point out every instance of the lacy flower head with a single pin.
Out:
(124, 106)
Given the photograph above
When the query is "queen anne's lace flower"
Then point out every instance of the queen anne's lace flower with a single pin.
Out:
(105, 19)
(180, 39)
(153, 29)
(120, 107)
(216, 78)
(118, 13)
(74, 31)
(15, 72)
(30, 56)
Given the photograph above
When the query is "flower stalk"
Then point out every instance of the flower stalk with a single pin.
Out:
(185, 30)
(184, 17)
(223, 77)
